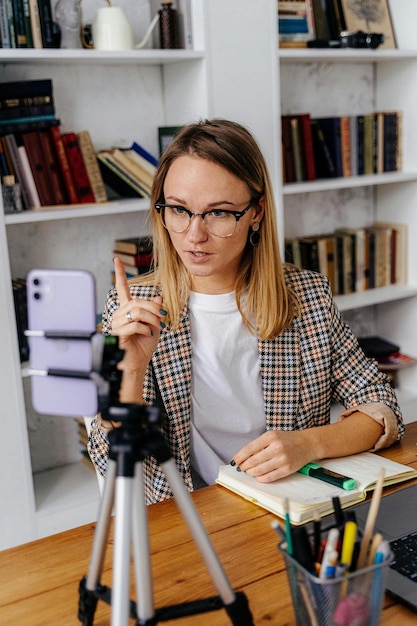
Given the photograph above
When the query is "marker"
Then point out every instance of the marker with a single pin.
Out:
(348, 544)
(288, 531)
(329, 550)
(333, 478)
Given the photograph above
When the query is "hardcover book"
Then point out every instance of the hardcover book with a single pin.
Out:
(307, 495)
(34, 151)
(66, 171)
(91, 164)
(133, 245)
(76, 161)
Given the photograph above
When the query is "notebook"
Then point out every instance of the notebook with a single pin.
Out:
(397, 519)
(307, 496)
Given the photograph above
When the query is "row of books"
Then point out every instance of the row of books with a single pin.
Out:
(54, 167)
(135, 253)
(300, 21)
(347, 145)
(27, 24)
(354, 259)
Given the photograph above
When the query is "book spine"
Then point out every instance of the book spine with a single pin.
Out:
(31, 141)
(287, 151)
(4, 25)
(133, 169)
(26, 88)
(11, 114)
(19, 24)
(18, 169)
(308, 150)
(34, 196)
(93, 170)
(66, 171)
(345, 145)
(35, 24)
(52, 168)
(10, 22)
(76, 161)
(46, 22)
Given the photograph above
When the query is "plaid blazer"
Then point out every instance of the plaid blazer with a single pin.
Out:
(310, 365)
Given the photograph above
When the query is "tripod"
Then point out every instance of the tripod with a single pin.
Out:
(137, 439)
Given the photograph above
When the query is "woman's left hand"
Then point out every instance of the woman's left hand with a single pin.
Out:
(275, 454)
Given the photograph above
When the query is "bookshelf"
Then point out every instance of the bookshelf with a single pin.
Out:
(120, 96)
(349, 82)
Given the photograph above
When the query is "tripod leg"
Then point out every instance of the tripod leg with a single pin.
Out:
(121, 554)
(198, 531)
(143, 569)
(102, 529)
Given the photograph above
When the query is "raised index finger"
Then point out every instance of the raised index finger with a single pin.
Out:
(121, 283)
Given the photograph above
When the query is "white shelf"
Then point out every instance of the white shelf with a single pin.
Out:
(372, 297)
(97, 57)
(65, 497)
(344, 55)
(328, 184)
(79, 210)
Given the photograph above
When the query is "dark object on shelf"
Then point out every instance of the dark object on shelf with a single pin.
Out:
(350, 40)
(168, 26)
(377, 347)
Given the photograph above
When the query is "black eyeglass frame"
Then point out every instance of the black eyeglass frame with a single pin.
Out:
(236, 214)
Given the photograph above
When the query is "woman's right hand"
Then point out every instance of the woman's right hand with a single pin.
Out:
(137, 323)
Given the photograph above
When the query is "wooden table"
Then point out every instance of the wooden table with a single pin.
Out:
(39, 581)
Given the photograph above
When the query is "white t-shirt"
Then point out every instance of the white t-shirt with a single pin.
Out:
(226, 387)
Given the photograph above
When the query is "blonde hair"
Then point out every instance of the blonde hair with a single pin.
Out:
(269, 305)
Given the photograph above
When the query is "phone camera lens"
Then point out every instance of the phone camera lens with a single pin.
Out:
(36, 281)
(37, 295)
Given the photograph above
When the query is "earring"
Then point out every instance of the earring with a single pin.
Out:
(255, 237)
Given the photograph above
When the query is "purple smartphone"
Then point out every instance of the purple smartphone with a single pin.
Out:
(61, 301)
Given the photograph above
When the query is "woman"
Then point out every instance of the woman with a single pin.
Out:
(246, 354)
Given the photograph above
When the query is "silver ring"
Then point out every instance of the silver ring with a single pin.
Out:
(129, 317)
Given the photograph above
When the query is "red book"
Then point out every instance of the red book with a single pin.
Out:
(52, 167)
(135, 260)
(307, 145)
(34, 151)
(67, 175)
(76, 161)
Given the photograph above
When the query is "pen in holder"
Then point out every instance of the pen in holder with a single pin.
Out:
(348, 599)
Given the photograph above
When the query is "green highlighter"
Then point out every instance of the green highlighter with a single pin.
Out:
(338, 480)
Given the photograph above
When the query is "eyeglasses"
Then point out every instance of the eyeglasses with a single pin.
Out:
(220, 223)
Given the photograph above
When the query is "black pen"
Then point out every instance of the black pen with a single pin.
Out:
(338, 480)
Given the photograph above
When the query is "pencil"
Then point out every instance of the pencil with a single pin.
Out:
(371, 519)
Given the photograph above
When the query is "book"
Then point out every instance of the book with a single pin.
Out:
(297, 150)
(325, 165)
(118, 179)
(93, 170)
(76, 161)
(4, 25)
(35, 24)
(399, 251)
(143, 259)
(133, 245)
(331, 130)
(295, 22)
(34, 151)
(135, 150)
(66, 171)
(345, 134)
(19, 24)
(25, 89)
(18, 170)
(52, 168)
(34, 200)
(46, 22)
(133, 168)
(165, 135)
(308, 495)
(287, 150)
